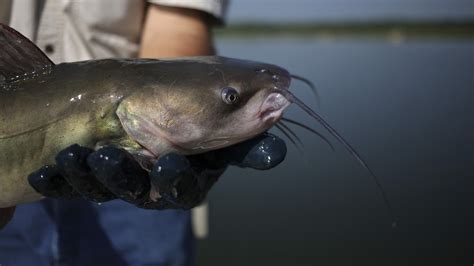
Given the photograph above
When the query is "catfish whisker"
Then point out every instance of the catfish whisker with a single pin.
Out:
(291, 132)
(310, 85)
(348, 147)
(291, 121)
(288, 136)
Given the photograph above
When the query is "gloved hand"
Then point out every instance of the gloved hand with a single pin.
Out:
(176, 181)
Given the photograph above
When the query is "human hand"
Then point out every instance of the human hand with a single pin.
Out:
(175, 181)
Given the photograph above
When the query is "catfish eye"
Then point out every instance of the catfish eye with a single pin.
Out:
(230, 95)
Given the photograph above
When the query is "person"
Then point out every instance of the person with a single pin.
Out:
(78, 232)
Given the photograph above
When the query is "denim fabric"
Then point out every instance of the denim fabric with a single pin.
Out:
(77, 232)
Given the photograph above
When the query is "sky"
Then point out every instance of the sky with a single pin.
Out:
(348, 10)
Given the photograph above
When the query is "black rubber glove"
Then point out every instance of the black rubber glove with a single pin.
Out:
(176, 181)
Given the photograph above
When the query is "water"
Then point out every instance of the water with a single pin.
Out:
(347, 10)
(408, 109)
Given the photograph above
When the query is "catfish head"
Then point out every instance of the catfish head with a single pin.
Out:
(193, 105)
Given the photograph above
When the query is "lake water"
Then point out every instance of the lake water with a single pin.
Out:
(407, 107)
(347, 10)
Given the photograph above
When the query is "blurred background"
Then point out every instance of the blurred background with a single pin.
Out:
(396, 79)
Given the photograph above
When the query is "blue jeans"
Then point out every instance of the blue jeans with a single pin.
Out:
(77, 232)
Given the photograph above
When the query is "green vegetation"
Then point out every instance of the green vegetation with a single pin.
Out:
(390, 29)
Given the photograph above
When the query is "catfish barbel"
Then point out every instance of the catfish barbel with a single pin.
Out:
(148, 107)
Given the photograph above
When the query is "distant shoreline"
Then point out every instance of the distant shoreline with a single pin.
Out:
(402, 29)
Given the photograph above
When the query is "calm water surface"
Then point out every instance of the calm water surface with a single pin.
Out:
(408, 109)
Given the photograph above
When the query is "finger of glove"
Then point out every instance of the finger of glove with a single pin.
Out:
(262, 152)
(195, 195)
(117, 170)
(183, 181)
(176, 181)
(48, 182)
(72, 165)
(168, 171)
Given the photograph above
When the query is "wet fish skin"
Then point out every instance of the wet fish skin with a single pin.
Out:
(79, 102)
(40, 116)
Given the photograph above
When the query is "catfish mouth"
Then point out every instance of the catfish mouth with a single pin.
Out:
(272, 108)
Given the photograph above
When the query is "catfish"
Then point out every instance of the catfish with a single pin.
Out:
(148, 107)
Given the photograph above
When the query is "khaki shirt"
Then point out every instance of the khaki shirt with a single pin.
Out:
(75, 30)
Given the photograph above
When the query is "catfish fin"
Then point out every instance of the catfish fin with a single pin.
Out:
(18, 55)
